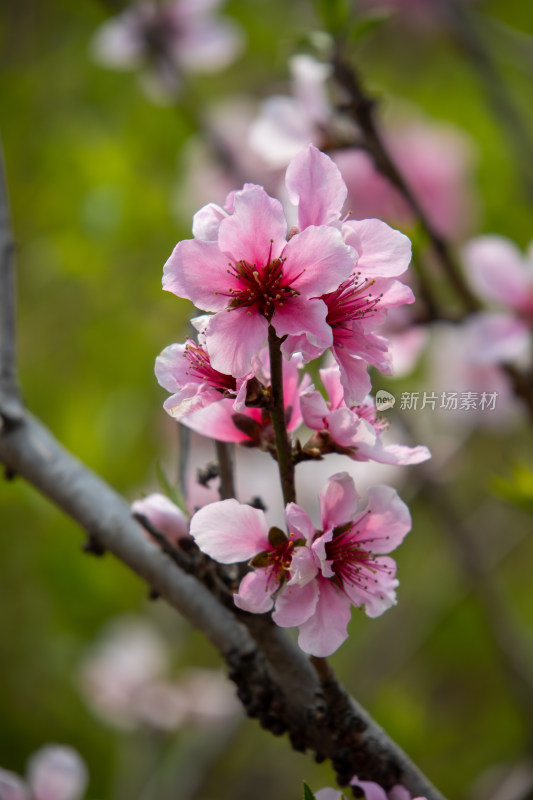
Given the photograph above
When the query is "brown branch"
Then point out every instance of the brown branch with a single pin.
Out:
(225, 469)
(277, 415)
(361, 107)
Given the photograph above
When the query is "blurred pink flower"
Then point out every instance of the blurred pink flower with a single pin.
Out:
(164, 515)
(500, 274)
(435, 161)
(167, 39)
(124, 679)
(55, 772)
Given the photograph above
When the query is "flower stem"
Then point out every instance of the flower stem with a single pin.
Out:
(277, 414)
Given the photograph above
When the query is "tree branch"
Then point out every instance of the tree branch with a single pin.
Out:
(11, 409)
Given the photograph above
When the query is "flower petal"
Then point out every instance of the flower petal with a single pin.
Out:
(338, 501)
(497, 270)
(229, 531)
(385, 521)
(198, 271)
(326, 629)
(383, 251)
(295, 604)
(257, 228)
(317, 261)
(315, 184)
(233, 338)
(254, 593)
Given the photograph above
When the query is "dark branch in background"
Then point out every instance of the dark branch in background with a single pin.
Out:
(462, 22)
(361, 108)
(11, 408)
(509, 644)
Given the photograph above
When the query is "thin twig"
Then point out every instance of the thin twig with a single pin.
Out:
(11, 408)
(277, 415)
(361, 108)
(225, 469)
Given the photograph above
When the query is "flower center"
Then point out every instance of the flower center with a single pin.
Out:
(351, 301)
(260, 288)
(351, 559)
(200, 368)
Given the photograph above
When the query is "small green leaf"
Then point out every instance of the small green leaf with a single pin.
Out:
(335, 15)
(168, 489)
(518, 489)
(308, 794)
(363, 26)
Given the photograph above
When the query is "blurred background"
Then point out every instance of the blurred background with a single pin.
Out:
(105, 168)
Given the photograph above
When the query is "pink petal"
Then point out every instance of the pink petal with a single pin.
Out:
(57, 773)
(164, 515)
(171, 367)
(349, 430)
(229, 531)
(11, 786)
(282, 129)
(495, 338)
(317, 261)
(299, 523)
(372, 790)
(257, 228)
(326, 630)
(376, 586)
(189, 399)
(208, 45)
(400, 793)
(338, 500)
(255, 594)
(233, 338)
(496, 268)
(216, 421)
(382, 250)
(354, 377)
(295, 604)
(303, 567)
(198, 271)
(314, 410)
(389, 520)
(299, 315)
(315, 184)
(331, 378)
(395, 454)
(206, 222)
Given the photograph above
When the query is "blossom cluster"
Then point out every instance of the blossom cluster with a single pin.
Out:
(302, 283)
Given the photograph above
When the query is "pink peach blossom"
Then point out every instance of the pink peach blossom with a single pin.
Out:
(354, 431)
(357, 306)
(253, 426)
(55, 772)
(231, 533)
(241, 267)
(348, 551)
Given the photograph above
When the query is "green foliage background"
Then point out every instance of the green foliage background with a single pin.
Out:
(93, 168)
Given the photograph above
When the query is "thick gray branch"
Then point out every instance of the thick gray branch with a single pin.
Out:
(29, 449)
(316, 712)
